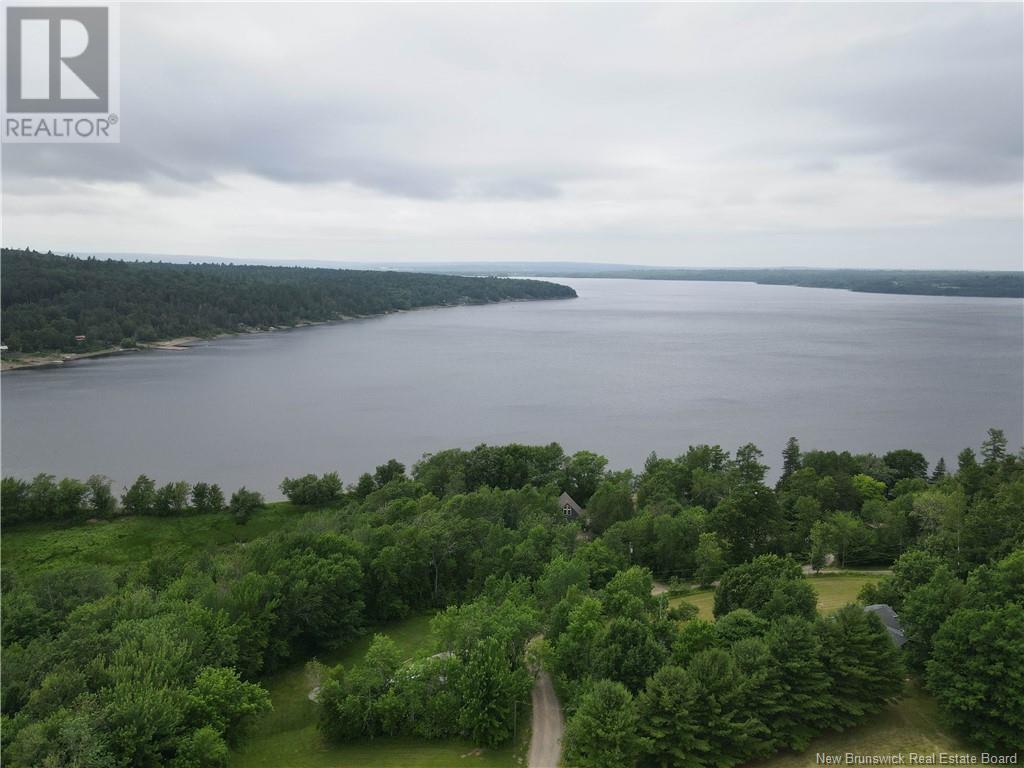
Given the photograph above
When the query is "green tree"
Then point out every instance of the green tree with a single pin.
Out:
(207, 499)
(791, 460)
(629, 652)
(610, 503)
(993, 450)
(726, 732)
(863, 663)
(750, 520)
(603, 732)
(203, 748)
(171, 499)
(385, 473)
(906, 464)
(243, 504)
(753, 585)
(739, 624)
(102, 503)
(72, 498)
(761, 697)
(802, 678)
(977, 674)
(576, 649)
(581, 474)
(710, 559)
(925, 608)
(364, 486)
(821, 537)
(221, 700)
(490, 690)
(846, 533)
(665, 716)
(139, 499)
(747, 467)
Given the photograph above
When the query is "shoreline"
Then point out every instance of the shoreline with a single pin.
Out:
(38, 360)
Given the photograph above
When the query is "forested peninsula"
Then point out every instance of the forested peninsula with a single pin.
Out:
(54, 303)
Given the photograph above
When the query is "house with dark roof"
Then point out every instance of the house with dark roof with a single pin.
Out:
(891, 620)
(569, 507)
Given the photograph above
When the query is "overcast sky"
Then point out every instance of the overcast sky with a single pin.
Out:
(693, 135)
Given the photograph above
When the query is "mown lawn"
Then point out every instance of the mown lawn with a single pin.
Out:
(834, 591)
(910, 725)
(127, 541)
(288, 737)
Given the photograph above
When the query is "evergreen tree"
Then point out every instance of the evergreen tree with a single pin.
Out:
(791, 459)
(603, 732)
(863, 662)
(977, 674)
(760, 693)
(665, 709)
(803, 680)
(725, 730)
(993, 450)
(939, 473)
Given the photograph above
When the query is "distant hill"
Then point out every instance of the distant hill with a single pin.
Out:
(48, 300)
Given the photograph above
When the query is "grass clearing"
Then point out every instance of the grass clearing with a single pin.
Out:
(910, 725)
(126, 541)
(834, 591)
(288, 736)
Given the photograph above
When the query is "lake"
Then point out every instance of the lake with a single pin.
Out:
(630, 367)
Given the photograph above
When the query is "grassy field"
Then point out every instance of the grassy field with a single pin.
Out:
(834, 591)
(130, 540)
(288, 737)
(910, 725)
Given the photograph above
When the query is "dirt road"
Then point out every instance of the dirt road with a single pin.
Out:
(548, 725)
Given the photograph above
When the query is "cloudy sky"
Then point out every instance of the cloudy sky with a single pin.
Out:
(694, 135)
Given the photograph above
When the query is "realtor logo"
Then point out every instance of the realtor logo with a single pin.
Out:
(61, 81)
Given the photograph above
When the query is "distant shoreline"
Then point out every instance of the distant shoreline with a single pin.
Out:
(37, 360)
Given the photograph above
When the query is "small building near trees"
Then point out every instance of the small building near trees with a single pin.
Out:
(570, 509)
(891, 620)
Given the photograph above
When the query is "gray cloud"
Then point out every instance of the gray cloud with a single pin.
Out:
(944, 103)
(245, 126)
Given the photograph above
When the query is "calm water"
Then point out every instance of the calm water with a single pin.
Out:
(627, 368)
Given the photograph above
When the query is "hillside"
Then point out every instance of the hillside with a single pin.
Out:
(49, 300)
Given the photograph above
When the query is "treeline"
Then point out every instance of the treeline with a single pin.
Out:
(44, 499)
(49, 300)
(157, 662)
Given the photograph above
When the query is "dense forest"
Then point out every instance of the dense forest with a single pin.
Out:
(903, 281)
(159, 659)
(49, 300)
